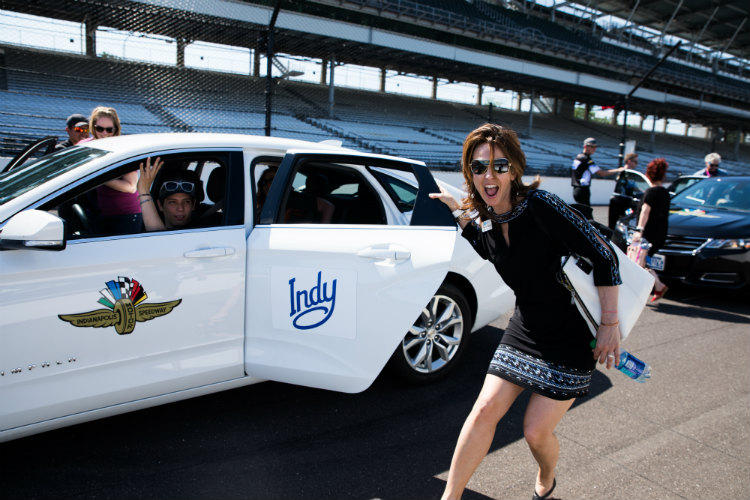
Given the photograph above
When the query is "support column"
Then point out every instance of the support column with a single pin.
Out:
(330, 88)
(531, 113)
(434, 87)
(90, 28)
(587, 111)
(323, 71)
(256, 58)
(687, 129)
(520, 98)
(479, 94)
(382, 79)
(181, 44)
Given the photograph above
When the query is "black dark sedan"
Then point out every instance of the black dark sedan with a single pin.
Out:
(629, 189)
(708, 238)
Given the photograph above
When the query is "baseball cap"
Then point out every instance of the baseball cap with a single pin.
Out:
(590, 142)
(75, 120)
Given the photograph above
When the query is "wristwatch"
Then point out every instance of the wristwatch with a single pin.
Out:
(639, 229)
(458, 213)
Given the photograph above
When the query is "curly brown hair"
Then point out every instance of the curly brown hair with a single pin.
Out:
(507, 141)
(657, 169)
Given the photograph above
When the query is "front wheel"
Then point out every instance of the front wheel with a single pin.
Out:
(438, 338)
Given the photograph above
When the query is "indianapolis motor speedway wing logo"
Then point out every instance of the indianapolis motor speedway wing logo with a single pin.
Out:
(124, 299)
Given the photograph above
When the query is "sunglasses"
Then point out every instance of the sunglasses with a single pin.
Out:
(109, 130)
(81, 130)
(186, 187)
(714, 164)
(479, 167)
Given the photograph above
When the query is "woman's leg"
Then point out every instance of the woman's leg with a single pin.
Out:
(542, 416)
(496, 396)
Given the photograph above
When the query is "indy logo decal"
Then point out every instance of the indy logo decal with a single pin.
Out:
(124, 299)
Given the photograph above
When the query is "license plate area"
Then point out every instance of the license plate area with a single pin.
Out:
(656, 262)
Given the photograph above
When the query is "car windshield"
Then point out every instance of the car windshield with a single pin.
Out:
(25, 178)
(724, 193)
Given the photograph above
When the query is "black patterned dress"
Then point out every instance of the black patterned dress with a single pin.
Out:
(546, 346)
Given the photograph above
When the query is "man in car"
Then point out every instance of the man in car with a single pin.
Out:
(583, 169)
(177, 197)
(77, 127)
(712, 166)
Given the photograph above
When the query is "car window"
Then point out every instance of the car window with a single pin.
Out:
(631, 184)
(721, 192)
(682, 183)
(403, 193)
(98, 208)
(31, 175)
(322, 193)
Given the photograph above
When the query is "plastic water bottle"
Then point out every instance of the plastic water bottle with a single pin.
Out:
(631, 366)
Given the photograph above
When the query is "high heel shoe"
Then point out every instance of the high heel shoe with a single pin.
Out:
(659, 293)
(546, 495)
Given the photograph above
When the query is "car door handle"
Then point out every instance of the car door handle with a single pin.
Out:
(385, 253)
(207, 253)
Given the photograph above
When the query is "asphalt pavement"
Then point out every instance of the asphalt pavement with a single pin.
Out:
(684, 434)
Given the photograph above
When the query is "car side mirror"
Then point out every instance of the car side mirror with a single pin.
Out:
(34, 230)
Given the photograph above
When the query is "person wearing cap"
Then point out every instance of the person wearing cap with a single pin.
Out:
(177, 198)
(77, 127)
(712, 166)
(583, 169)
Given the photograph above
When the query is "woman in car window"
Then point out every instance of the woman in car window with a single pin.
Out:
(117, 199)
(653, 214)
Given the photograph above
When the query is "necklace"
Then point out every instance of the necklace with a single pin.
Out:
(510, 214)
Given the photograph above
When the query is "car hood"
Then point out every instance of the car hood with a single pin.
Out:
(708, 223)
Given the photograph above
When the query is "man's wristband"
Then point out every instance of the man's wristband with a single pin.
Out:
(146, 200)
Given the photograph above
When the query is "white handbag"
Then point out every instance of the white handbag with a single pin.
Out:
(577, 275)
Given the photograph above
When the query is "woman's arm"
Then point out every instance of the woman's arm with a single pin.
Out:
(151, 219)
(642, 221)
(452, 204)
(127, 183)
(608, 334)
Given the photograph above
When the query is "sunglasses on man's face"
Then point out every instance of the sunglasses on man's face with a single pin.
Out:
(500, 165)
(109, 130)
(181, 186)
(81, 130)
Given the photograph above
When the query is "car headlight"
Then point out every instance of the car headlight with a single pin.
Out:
(729, 244)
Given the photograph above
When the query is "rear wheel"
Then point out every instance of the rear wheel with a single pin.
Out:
(438, 338)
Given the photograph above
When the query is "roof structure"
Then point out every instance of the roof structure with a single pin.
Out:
(719, 25)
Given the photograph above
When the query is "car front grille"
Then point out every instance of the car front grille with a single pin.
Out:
(684, 245)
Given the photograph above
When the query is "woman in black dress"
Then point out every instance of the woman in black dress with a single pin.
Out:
(546, 346)
(653, 214)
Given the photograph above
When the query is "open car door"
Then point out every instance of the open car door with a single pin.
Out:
(328, 303)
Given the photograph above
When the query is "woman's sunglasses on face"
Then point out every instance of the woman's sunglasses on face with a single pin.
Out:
(500, 165)
(109, 130)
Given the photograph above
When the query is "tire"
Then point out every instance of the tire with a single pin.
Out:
(437, 340)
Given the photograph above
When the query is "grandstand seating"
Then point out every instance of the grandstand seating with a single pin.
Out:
(43, 90)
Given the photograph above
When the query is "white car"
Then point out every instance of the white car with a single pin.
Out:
(96, 324)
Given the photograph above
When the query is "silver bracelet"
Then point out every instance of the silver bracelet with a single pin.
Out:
(458, 213)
